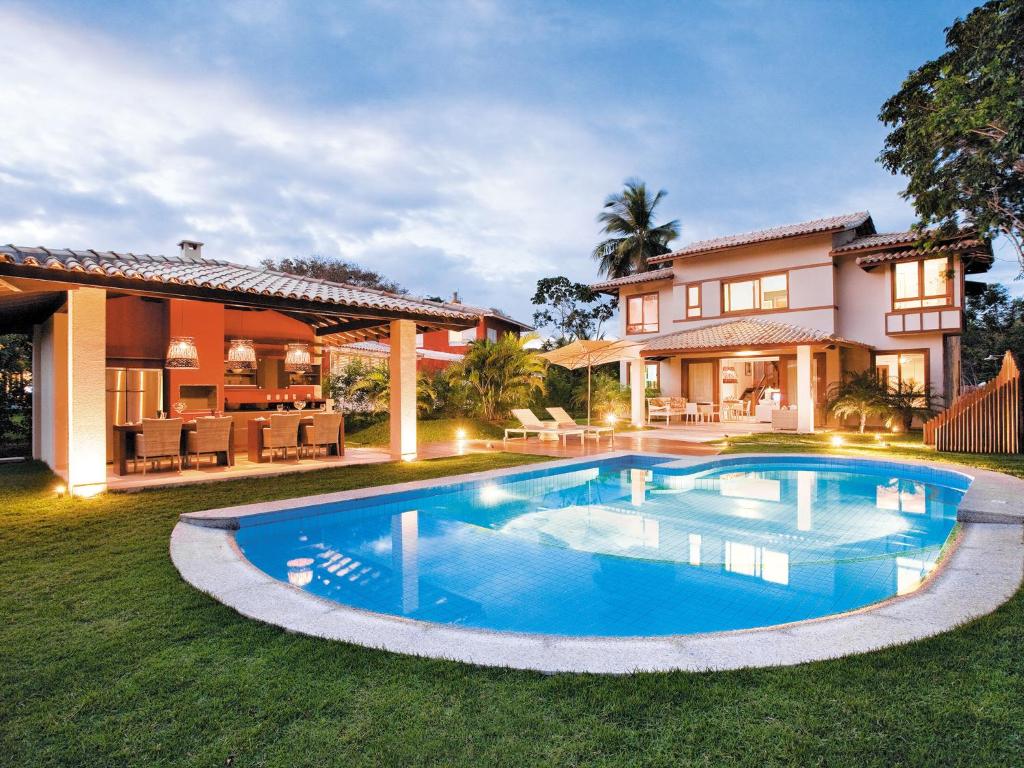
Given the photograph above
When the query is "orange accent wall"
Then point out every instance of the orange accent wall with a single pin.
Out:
(263, 325)
(136, 332)
(204, 321)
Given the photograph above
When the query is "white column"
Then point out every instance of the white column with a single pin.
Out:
(37, 393)
(402, 366)
(637, 385)
(86, 366)
(804, 395)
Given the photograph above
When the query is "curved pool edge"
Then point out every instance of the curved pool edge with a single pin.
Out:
(983, 570)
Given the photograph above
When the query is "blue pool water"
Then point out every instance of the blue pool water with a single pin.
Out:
(624, 547)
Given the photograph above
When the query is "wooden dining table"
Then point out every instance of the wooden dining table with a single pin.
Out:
(255, 442)
(124, 445)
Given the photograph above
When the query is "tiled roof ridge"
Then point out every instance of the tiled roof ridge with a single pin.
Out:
(734, 336)
(902, 238)
(812, 226)
(657, 273)
(214, 273)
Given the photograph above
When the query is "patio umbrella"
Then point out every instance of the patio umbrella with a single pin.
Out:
(586, 353)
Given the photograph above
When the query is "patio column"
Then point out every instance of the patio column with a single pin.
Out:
(402, 367)
(804, 393)
(637, 386)
(86, 391)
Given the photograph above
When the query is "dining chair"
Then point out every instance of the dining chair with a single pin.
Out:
(282, 434)
(159, 439)
(212, 435)
(323, 432)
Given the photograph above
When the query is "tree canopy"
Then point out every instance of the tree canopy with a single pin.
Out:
(335, 270)
(993, 323)
(571, 309)
(958, 127)
(628, 218)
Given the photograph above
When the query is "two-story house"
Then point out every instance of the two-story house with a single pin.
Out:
(775, 317)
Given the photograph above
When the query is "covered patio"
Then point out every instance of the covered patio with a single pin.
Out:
(208, 339)
(746, 375)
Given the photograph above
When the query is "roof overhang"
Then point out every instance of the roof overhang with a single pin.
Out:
(976, 256)
(613, 286)
(336, 323)
(750, 350)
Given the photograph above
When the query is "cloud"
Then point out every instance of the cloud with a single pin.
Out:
(103, 149)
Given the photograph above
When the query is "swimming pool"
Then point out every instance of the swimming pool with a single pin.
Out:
(628, 546)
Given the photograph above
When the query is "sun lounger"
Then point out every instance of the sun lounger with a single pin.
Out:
(565, 421)
(532, 425)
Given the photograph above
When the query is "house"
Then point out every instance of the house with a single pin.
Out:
(436, 350)
(121, 336)
(775, 317)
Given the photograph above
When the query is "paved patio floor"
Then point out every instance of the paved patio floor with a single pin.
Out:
(682, 442)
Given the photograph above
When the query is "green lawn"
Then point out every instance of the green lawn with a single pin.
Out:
(430, 431)
(108, 659)
(892, 446)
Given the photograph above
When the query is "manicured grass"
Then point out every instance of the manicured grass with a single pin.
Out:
(854, 444)
(430, 431)
(107, 658)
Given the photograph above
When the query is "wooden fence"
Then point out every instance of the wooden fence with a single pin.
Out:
(985, 420)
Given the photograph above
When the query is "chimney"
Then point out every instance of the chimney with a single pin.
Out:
(191, 249)
(455, 298)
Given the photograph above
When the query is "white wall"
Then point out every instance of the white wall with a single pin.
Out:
(866, 297)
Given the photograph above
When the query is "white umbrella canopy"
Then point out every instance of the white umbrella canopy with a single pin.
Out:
(586, 353)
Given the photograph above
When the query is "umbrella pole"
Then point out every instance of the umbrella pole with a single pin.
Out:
(588, 394)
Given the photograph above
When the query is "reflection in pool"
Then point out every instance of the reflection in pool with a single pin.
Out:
(623, 547)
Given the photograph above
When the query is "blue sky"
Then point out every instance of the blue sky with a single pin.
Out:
(450, 145)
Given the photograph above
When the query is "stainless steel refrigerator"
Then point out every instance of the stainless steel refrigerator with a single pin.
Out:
(132, 395)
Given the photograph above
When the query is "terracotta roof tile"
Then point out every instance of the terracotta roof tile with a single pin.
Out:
(900, 254)
(879, 240)
(225, 276)
(739, 334)
(640, 277)
(829, 224)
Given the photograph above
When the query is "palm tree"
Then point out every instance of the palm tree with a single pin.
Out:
(499, 375)
(375, 385)
(628, 217)
(858, 394)
(908, 400)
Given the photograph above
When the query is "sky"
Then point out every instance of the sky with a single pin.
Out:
(461, 146)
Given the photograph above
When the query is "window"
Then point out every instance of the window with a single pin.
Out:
(902, 368)
(917, 284)
(461, 338)
(693, 300)
(642, 313)
(492, 334)
(757, 294)
(419, 341)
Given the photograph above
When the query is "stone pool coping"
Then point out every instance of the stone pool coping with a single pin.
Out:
(983, 570)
